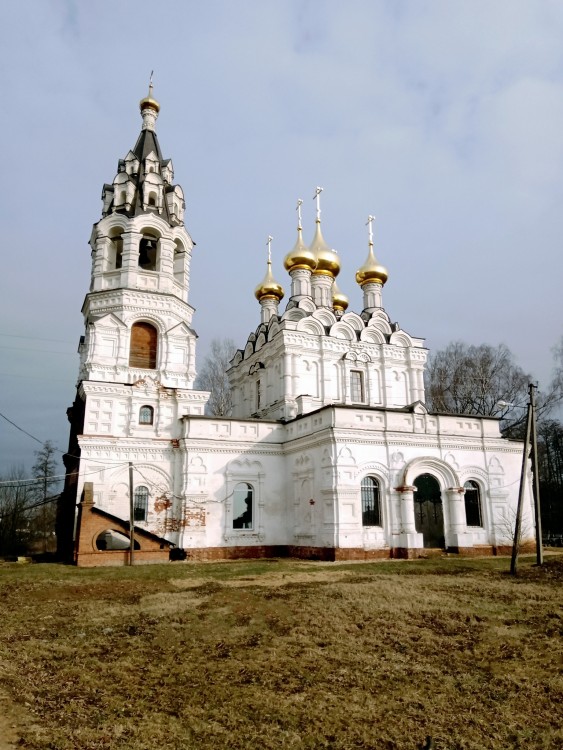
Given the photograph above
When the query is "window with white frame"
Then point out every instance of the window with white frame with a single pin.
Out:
(146, 415)
(473, 515)
(141, 503)
(357, 387)
(371, 502)
(243, 506)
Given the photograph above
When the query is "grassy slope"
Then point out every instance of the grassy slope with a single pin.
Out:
(284, 655)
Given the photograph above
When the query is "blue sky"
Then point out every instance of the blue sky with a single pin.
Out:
(443, 119)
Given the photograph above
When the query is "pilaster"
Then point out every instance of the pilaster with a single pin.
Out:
(457, 535)
(130, 263)
(408, 537)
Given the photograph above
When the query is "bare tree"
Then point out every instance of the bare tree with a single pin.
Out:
(213, 376)
(464, 379)
(44, 470)
(557, 384)
(483, 380)
(550, 470)
(16, 508)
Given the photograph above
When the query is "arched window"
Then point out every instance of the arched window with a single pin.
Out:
(141, 503)
(146, 415)
(371, 505)
(148, 252)
(258, 395)
(472, 504)
(152, 199)
(357, 394)
(143, 350)
(243, 506)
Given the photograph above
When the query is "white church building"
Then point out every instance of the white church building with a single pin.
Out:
(329, 453)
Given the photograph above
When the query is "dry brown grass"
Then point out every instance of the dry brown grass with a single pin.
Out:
(283, 655)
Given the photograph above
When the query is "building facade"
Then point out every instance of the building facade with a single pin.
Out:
(330, 451)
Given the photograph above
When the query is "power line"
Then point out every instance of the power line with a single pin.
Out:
(35, 351)
(34, 338)
(29, 481)
(25, 432)
(35, 377)
(45, 501)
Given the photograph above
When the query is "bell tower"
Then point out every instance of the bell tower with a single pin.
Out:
(137, 355)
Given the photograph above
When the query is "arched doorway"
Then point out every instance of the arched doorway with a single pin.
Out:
(428, 512)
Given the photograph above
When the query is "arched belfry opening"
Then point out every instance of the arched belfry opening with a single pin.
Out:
(144, 346)
(148, 251)
(115, 259)
(428, 511)
(179, 262)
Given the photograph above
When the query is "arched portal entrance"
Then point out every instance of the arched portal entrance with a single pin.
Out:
(428, 512)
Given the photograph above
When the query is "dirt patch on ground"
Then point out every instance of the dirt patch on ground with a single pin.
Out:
(12, 721)
(270, 580)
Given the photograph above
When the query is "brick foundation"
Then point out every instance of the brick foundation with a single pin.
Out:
(327, 554)
(108, 558)
(207, 554)
(357, 553)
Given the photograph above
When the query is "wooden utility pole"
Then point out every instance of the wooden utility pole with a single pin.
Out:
(530, 434)
(131, 516)
(536, 480)
(518, 524)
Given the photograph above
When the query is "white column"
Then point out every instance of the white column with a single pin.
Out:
(457, 535)
(130, 263)
(166, 283)
(100, 257)
(409, 538)
(287, 376)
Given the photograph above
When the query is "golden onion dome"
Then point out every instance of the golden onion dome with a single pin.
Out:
(269, 287)
(148, 102)
(328, 262)
(339, 300)
(371, 271)
(300, 257)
